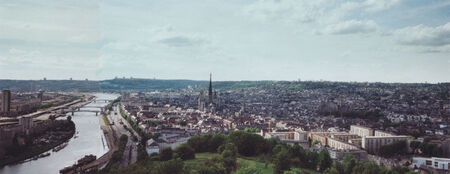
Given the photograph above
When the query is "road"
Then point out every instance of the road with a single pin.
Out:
(130, 153)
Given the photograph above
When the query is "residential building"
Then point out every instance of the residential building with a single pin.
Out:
(361, 131)
(372, 143)
(440, 164)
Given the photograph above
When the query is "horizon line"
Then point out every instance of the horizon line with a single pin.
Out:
(267, 80)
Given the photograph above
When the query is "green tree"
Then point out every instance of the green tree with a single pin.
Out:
(215, 141)
(414, 145)
(295, 171)
(372, 168)
(358, 169)
(349, 163)
(229, 161)
(248, 144)
(174, 166)
(278, 148)
(391, 149)
(249, 170)
(281, 162)
(185, 152)
(312, 160)
(331, 170)
(339, 167)
(166, 154)
(325, 160)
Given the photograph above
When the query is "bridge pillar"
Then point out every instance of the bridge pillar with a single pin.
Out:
(96, 113)
(78, 109)
(72, 113)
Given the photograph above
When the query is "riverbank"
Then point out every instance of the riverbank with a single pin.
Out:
(18, 154)
(110, 140)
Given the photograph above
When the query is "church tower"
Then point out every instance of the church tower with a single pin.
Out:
(210, 91)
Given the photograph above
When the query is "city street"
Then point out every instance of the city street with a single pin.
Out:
(130, 152)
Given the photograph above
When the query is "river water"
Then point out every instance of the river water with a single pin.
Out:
(90, 140)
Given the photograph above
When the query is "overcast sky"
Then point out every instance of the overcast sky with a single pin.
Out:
(336, 40)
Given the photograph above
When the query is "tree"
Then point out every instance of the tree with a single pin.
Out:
(325, 160)
(391, 149)
(339, 167)
(277, 149)
(331, 170)
(349, 163)
(414, 145)
(371, 168)
(358, 169)
(281, 162)
(229, 161)
(166, 154)
(228, 146)
(249, 170)
(185, 152)
(312, 160)
(248, 144)
(215, 141)
(174, 166)
(199, 143)
(295, 171)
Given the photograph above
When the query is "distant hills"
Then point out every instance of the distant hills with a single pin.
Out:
(94, 86)
(115, 85)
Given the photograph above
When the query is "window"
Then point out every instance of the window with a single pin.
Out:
(428, 162)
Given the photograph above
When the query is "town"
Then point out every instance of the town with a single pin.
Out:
(393, 125)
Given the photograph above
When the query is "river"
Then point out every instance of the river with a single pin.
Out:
(90, 140)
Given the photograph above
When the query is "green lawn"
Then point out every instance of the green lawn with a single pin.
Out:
(249, 162)
(201, 158)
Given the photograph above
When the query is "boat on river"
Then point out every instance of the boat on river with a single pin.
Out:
(61, 146)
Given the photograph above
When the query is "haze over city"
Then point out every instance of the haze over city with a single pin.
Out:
(370, 40)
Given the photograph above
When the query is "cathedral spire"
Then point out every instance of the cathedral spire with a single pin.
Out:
(210, 91)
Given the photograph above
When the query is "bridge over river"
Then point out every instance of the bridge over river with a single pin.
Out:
(89, 139)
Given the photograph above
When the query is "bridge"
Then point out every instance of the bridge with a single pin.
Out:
(102, 100)
(66, 109)
(78, 109)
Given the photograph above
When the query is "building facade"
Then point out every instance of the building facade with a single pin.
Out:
(372, 143)
(6, 102)
(361, 131)
(440, 164)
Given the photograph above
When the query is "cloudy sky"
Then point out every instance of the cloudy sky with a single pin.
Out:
(337, 40)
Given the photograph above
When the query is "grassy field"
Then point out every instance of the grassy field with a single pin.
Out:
(248, 162)
(201, 158)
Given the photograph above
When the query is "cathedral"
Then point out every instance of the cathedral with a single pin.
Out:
(211, 102)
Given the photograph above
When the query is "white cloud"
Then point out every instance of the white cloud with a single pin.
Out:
(332, 17)
(287, 10)
(422, 35)
(352, 27)
(182, 41)
(379, 5)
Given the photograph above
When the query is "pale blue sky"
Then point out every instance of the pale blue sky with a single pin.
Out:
(337, 40)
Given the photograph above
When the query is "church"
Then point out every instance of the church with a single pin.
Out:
(211, 102)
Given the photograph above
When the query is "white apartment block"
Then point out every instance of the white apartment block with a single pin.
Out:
(361, 131)
(372, 143)
(431, 163)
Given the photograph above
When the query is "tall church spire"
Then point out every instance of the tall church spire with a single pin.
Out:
(210, 91)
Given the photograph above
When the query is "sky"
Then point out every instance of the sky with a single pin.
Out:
(333, 40)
